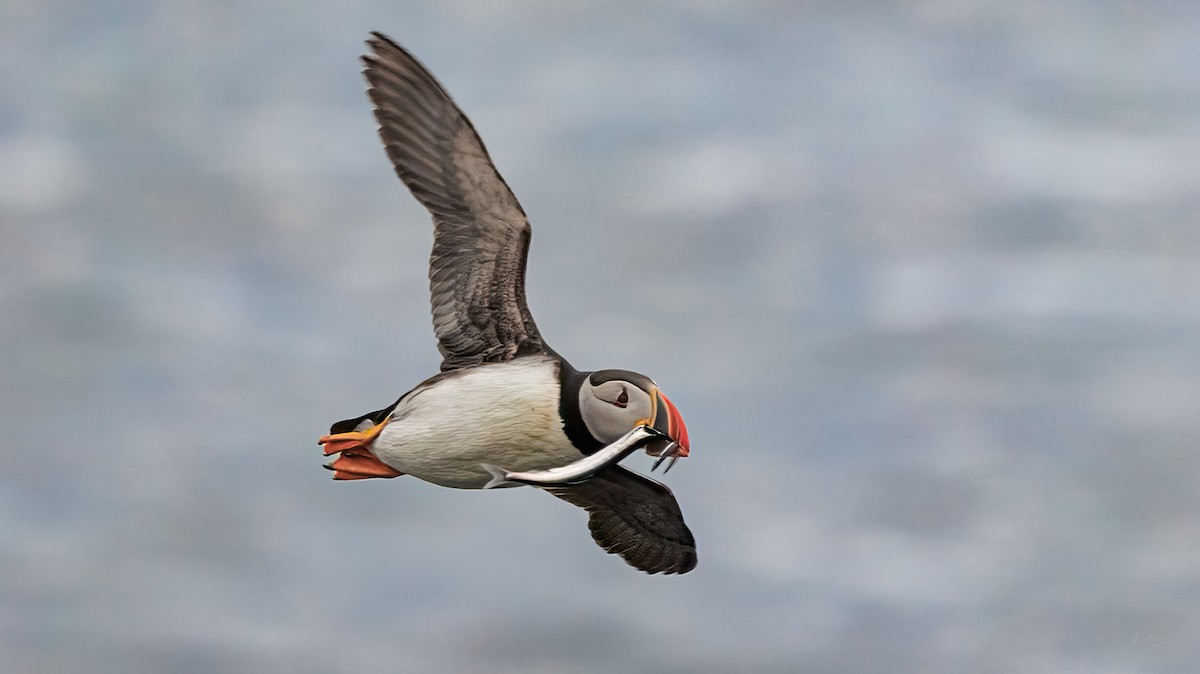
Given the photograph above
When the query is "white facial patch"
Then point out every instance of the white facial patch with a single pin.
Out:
(603, 414)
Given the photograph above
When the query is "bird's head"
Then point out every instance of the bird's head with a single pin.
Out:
(613, 402)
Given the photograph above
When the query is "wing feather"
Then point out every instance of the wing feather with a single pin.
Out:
(481, 233)
(635, 517)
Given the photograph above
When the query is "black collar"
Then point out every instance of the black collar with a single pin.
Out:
(570, 383)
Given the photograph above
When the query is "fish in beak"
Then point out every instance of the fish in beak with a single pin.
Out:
(668, 423)
(579, 471)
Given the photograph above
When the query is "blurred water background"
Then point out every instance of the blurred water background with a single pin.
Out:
(923, 278)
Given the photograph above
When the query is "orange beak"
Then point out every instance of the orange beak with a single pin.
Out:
(665, 418)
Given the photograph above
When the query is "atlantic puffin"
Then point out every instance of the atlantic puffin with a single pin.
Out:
(503, 396)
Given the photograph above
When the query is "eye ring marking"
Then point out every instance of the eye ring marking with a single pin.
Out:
(623, 399)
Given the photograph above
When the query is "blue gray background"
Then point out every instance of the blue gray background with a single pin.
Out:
(923, 278)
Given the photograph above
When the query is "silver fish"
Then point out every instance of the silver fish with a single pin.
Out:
(585, 468)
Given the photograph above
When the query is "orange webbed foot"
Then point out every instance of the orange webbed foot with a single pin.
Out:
(357, 460)
(353, 465)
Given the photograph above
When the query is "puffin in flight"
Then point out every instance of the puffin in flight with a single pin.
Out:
(503, 396)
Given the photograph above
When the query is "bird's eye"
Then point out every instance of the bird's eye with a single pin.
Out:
(623, 399)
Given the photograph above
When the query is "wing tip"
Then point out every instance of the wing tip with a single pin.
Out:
(379, 44)
(382, 47)
(677, 567)
(678, 558)
(379, 39)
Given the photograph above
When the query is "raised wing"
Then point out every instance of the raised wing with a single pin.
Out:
(481, 234)
(636, 518)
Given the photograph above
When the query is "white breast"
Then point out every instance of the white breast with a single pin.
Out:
(500, 413)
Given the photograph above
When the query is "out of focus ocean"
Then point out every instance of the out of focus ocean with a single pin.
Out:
(923, 278)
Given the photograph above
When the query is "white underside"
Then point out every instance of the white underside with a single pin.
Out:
(503, 413)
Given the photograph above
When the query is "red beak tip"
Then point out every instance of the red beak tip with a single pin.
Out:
(677, 429)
